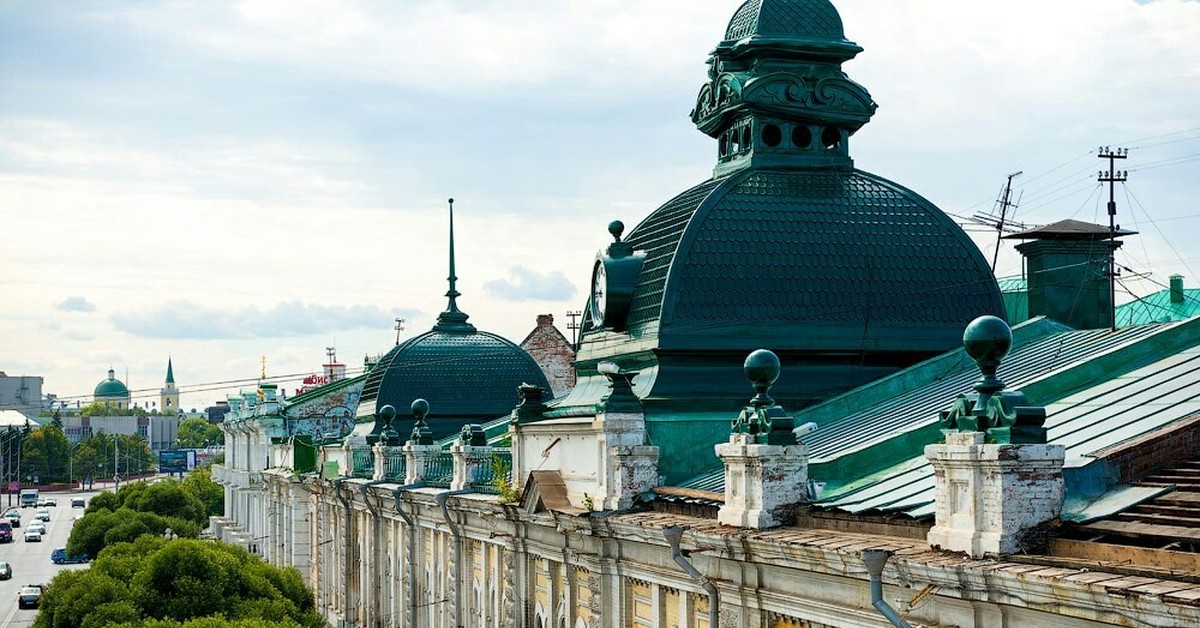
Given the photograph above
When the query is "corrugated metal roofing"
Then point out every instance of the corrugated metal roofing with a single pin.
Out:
(1096, 391)
(1159, 308)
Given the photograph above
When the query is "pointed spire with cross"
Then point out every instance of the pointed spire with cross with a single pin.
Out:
(453, 319)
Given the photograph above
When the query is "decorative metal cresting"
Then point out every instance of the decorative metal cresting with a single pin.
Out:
(421, 434)
(1006, 416)
(764, 421)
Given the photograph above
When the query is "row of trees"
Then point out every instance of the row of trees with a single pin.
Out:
(44, 455)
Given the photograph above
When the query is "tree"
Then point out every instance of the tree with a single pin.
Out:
(155, 583)
(45, 453)
(196, 433)
(199, 484)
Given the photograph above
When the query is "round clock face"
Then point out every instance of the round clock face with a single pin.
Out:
(599, 287)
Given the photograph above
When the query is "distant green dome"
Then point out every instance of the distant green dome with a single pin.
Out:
(111, 388)
(807, 19)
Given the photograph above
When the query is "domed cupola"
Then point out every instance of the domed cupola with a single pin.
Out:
(776, 94)
(112, 390)
(467, 375)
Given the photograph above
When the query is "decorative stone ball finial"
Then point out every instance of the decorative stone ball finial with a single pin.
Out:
(762, 369)
(987, 340)
(616, 228)
(388, 413)
(420, 408)
(389, 436)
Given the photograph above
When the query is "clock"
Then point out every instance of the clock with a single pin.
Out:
(599, 291)
(614, 278)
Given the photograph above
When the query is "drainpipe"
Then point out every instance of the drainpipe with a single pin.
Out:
(674, 534)
(366, 493)
(875, 560)
(442, 499)
(412, 546)
(337, 488)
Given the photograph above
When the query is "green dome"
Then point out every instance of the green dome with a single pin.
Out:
(111, 388)
(804, 19)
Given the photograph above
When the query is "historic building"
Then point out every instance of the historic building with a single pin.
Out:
(168, 395)
(553, 353)
(112, 391)
(900, 456)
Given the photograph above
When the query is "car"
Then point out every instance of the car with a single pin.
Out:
(51, 502)
(78, 502)
(33, 536)
(60, 557)
(42, 514)
(29, 596)
(5, 571)
(5, 531)
(36, 526)
(14, 517)
(43, 502)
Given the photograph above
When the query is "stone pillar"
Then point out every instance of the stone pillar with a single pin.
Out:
(418, 460)
(630, 467)
(763, 483)
(470, 462)
(992, 498)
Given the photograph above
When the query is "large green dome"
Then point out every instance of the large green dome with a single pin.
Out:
(111, 388)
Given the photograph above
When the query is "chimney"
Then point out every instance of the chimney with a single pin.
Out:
(1176, 288)
(545, 320)
(1066, 264)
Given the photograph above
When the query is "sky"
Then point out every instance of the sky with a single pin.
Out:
(215, 182)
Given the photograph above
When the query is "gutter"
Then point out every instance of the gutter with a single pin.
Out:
(875, 560)
(337, 488)
(674, 534)
(412, 546)
(442, 500)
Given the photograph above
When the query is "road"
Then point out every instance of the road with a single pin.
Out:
(31, 561)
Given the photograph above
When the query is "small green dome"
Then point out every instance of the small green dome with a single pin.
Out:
(805, 19)
(111, 388)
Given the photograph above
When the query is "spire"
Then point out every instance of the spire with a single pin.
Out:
(453, 319)
(170, 372)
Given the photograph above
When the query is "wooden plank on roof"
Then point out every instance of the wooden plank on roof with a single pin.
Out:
(1142, 530)
(1162, 587)
(1187, 596)
(1169, 561)
(1128, 582)
(1183, 497)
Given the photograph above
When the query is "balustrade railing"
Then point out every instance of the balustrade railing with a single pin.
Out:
(395, 464)
(439, 470)
(491, 478)
(363, 461)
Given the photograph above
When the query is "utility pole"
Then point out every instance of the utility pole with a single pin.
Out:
(1112, 177)
(574, 325)
(399, 328)
(1004, 205)
(116, 457)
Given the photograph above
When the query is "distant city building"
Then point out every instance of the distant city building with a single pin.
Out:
(112, 391)
(216, 412)
(160, 431)
(22, 393)
(169, 394)
(553, 353)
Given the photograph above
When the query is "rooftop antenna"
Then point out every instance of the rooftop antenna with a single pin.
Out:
(1004, 205)
(399, 328)
(263, 376)
(1112, 177)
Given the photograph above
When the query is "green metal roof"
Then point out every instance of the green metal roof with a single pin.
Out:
(812, 19)
(1100, 388)
(1159, 308)
(111, 388)
(170, 372)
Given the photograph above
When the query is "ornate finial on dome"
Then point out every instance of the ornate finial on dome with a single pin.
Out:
(453, 319)
(776, 94)
(421, 434)
(616, 228)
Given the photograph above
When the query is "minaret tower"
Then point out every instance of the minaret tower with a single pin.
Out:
(169, 394)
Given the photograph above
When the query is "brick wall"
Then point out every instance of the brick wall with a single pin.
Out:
(553, 354)
(1166, 447)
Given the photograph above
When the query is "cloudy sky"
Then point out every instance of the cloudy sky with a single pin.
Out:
(219, 181)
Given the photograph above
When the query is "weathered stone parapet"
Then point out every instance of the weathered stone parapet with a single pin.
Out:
(418, 459)
(472, 466)
(990, 496)
(763, 483)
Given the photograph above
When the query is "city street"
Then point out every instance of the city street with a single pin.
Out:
(31, 561)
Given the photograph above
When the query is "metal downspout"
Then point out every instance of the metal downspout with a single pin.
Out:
(442, 499)
(412, 546)
(875, 560)
(376, 611)
(674, 534)
(337, 488)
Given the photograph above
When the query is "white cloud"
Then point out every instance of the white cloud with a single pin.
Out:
(76, 304)
(183, 319)
(530, 285)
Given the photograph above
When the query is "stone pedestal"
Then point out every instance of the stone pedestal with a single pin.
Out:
(763, 483)
(630, 467)
(418, 458)
(989, 497)
(472, 466)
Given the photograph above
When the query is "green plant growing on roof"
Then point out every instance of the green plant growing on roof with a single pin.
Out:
(502, 479)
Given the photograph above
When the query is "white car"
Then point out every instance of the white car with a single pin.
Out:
(33, 536)
(37, 526)
(43, 514)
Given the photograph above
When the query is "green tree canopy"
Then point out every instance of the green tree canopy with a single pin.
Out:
(195, 433)
(45, 453)
(199, 484)
(154, 583)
